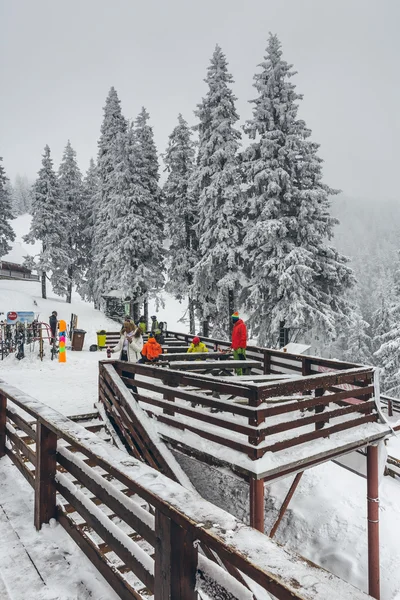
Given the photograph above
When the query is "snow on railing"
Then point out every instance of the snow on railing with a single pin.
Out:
(175, 521)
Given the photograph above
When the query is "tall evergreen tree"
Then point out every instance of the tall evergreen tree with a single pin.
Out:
(21, 196)
(181, 210)
(144, 166)
(109, 165)
(48, 221)
(387, 336)
(295, 277)
(216, 179)
(358, 341)
(90, 192)
(69, 270)
(7, 234)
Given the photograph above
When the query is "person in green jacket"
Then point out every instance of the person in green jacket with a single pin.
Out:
(155, 328)
(142, 324)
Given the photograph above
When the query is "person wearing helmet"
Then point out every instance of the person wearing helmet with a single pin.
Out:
(155, 328)
(197, 345)
(239, 340)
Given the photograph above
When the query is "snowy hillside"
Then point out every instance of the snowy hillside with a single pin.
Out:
(326, 520)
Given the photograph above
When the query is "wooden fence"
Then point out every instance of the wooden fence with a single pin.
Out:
(141, 530)
(266, 417)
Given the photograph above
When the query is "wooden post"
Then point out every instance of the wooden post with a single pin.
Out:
(45, 490)
(267, 362)
(175, 561)
(319, 409)
(285, 504)
(3, 419)
(373, 522)
(257, 504)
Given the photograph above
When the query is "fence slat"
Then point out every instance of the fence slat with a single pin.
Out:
(3, 418)
(45, 490)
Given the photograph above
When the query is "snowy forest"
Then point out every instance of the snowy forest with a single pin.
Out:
(243, 221)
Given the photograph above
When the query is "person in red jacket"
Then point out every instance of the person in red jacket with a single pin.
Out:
(239, 340)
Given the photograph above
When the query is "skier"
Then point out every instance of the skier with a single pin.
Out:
(155, 328)
(239, 340)
(53, 326)
(197, 345)
(130, 343)
(151, 350)
(142, 324)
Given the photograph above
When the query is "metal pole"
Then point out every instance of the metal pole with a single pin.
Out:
(373, 522)
(285, 504)
(257, 504)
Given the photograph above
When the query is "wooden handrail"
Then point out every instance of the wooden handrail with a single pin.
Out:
(182, 517)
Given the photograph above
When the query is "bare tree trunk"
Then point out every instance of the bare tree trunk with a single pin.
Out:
(44, 295)
(206, 327)
(136, 315)
(231, 309)
(192, 323)
(69, 287)
(146, 311)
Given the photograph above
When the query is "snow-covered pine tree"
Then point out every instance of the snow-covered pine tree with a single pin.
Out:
(21, 196)
(387, 336)
(216, 180)
(90, 191)
(181, 210)
(69, 271)
(47, 220)
(382, 322)
(295, 277)
(144, 166)
(358, 341)
(7, 234)
(105, 260)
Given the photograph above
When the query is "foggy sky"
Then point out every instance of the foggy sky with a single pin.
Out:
(60, 57)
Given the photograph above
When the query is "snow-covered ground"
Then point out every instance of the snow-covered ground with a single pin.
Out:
(326, 520)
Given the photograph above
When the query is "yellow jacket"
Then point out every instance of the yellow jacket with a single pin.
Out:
(201, 347)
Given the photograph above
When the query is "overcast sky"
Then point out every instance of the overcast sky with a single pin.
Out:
(60, 57)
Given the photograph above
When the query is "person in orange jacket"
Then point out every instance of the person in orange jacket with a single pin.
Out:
(239, 340)
(151, 350)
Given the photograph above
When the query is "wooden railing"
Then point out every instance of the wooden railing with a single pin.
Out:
(274, 361)
(266, 417)
(160, 524)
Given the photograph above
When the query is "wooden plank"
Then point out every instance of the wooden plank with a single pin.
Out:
(148, 450)
(45, 491)
(303, 404)
(183, 564)
(221, 405)
(101, 493)
(22, 424)
(20, 444)
(191, 356)
(163, 558)
(314, 435)
(107, 570)
(21, 466)
(216, 364)
(174, 378)
(118, 547)
(298, 423)
(257, 511)
(199, 416)
(3, 419)
(239, 446)
(312, 382)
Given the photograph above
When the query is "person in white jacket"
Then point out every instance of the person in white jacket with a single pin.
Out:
(130, 343)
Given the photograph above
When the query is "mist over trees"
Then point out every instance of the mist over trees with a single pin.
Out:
(243, 221)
